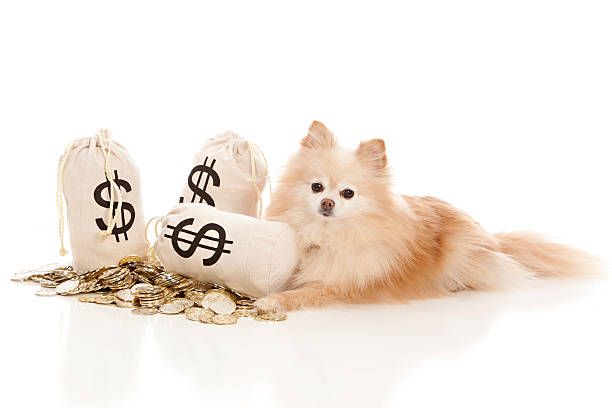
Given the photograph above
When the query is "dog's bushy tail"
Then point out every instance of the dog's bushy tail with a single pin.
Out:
(545, 258)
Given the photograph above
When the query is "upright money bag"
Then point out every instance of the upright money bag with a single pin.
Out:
(100, 186)
(252, 256)
(228, 173)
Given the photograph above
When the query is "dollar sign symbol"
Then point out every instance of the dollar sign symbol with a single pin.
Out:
(196, 238)
(199, 170)
(119, 229)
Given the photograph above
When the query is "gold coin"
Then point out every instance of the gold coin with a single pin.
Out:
(104, 299)
(171, 308)
(141, 286)
(206, 316)
(185, 302)
(271, 317)
(144, 311)
(193, 313)
(245, 312)
(224, 319)
(129, 259)
(91, 298)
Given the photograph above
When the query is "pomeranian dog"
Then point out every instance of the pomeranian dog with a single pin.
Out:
(361, 243)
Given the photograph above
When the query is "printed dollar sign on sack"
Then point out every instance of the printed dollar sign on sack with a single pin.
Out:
(228, 173)
(99, 186)
(195, 238)
(124, 227)
(198, 192)
(252, 256)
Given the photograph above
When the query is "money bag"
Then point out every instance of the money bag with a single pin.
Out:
(99, 186)
(229, 173)
(250, 255)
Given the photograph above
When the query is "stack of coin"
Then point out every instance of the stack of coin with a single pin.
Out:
(147, 295)
(147, 288)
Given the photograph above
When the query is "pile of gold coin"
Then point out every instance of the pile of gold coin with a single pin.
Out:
(147, 288)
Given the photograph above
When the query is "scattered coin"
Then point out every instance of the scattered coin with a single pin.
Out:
(125, 295)
(206, 316)
(129, 259)
(122, 303)
(219, 301)
(171, 308)
(245, 312)
(89, 298)
(271, 317)
(224, 319)
(105, 299)
(194, 313)
(147, 288)
(185, 302)
(67, 287)
(144, 311)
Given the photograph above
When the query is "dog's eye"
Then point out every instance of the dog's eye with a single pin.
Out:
(317, 187)
(347, 193)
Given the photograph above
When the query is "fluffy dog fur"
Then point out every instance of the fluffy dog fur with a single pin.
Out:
(381, 247)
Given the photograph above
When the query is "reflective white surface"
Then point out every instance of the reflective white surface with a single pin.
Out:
(550, 343)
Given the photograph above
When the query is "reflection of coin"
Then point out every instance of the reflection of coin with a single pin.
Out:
(67, 286)
(171, 308)
(145, 311)
(271, 317)
(105, 299)
(45, 292)
(224, 319)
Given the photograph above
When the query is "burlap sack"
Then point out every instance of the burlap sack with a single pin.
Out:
(101, 187)
(252, 256)
(228, 173)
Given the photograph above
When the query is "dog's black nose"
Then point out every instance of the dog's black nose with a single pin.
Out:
(327, 204)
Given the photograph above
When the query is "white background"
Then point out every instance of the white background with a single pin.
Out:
(501, 108)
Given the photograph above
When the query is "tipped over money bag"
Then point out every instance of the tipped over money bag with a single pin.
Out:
(99, 185)
(252, 256)
(229, 173)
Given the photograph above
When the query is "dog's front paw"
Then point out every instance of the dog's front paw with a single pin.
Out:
(268, 305)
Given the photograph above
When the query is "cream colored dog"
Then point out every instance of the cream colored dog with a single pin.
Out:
(360, 242)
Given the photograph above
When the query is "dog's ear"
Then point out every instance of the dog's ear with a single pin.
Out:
(318, 137)
(373, 154)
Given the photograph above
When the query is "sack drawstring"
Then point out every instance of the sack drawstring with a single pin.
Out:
(253, 148)
(104, 139)
(59, 196)
(112, 217)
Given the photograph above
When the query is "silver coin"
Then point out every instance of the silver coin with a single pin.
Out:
(141, 286)
(125, 295)
(67, 287)
(171, 308)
